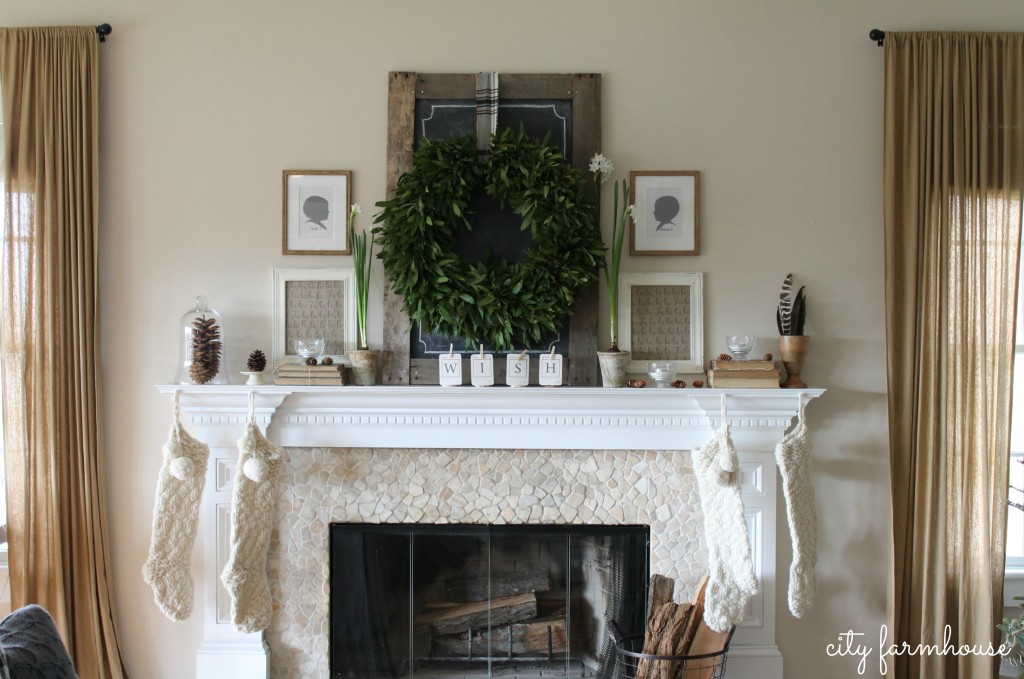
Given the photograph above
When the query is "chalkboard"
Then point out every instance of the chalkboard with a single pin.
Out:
(443, 118)
(495, 233)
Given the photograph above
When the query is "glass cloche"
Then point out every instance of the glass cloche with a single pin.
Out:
(201, 333)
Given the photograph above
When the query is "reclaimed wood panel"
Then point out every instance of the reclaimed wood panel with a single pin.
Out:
(401, 136)
(584, 90)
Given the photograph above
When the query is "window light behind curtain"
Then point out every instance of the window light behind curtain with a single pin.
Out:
(954, 167)
(54, 451)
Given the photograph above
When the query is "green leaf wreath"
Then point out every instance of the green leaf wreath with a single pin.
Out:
(501, 304)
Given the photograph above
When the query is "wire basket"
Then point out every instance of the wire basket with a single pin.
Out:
(633, 664)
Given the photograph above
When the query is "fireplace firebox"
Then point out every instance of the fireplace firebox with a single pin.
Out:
(452, 601)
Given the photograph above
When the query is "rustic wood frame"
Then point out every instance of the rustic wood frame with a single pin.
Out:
(404, 89)
(634, 248)
(339, 212)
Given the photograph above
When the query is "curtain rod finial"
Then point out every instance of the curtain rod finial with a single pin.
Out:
(878, 35)
(103, 30)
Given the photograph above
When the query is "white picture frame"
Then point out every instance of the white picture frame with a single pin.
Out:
(314, 301)
(679, 334)
(315, 207)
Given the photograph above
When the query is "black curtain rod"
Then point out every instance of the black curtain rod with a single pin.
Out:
(876, 34)
(103, 30)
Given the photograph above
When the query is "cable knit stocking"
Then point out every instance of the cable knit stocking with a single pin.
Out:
(179, 491)
(252, 509)
(793, 455)
(732, 580)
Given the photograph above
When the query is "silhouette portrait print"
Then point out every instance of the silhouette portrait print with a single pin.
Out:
(317, 209)
(665, 210)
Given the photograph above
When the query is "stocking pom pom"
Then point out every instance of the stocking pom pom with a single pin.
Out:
(182, 468)
(723, 477)
(255, 469)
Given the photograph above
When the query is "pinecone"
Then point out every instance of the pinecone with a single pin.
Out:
(257, 362)
(206, 348)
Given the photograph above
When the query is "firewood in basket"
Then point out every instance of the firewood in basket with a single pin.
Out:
(659, 592)
(667, 626)
(683, 648)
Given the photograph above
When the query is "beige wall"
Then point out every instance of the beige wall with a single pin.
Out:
(778, 104)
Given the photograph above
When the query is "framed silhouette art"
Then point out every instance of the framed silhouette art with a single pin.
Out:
(315, 208)
(666, 215)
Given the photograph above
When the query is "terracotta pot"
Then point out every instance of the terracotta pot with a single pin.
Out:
(364, 367)
(794, 350)
(613, 367)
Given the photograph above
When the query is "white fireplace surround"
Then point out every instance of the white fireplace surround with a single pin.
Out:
(534, 418)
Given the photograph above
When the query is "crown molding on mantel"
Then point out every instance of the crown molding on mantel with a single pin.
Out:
(567, 418)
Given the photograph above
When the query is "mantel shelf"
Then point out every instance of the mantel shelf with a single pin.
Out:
(566, 418)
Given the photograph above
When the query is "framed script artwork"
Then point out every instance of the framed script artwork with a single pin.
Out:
(661, 318)
(316, 204)
(666, 218)
(314, 304)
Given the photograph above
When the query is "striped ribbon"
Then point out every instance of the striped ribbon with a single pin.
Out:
(486, 110)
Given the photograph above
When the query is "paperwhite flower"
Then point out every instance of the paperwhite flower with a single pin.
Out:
(603, 165)
(631, 211)
(356, 210)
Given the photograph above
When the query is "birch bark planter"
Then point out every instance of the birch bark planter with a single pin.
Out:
(613, 367)
(364, 367)
(794, 350)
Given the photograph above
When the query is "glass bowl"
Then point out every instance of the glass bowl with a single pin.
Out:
(740, 346)
(310, 347)
(662, 372)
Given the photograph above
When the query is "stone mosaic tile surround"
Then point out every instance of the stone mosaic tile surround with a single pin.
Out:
(318, 486)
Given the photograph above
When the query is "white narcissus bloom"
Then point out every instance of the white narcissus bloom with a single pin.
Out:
(631, 210)
(603, 165)
(356, 210)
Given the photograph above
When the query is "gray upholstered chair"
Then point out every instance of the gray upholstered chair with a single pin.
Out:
(31, 647)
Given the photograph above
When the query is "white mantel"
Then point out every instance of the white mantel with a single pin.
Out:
(532, 418)
(564, 418)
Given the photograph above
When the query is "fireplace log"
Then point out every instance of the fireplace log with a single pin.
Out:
(659, 592)
(662, 638)
(696, 618)
(498, 585)
(529, 638)
(459, 617)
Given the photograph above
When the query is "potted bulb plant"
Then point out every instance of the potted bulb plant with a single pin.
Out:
(364, 360)
(614, 361)
(790, 318)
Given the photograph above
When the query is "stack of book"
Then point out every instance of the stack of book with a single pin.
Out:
(311, 374)
(743, 375)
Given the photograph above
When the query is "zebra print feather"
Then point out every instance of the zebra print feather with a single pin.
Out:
(785, 313)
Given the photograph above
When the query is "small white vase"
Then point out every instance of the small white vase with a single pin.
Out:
(613, 367)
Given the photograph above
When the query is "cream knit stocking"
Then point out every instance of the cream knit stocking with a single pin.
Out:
(252, 509)
(793, 455)
(179, 490)
(732, 580)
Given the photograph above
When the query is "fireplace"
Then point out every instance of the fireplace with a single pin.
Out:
(487, 457)
(458, 600)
